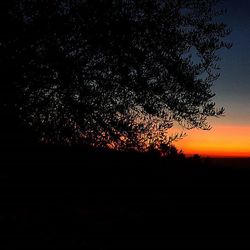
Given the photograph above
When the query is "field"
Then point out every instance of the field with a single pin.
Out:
(67, 198)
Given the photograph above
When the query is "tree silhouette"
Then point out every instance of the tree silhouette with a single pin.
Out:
(111, 73)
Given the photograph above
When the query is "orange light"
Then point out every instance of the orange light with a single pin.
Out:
(221, 141)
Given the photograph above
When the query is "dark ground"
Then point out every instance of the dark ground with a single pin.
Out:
(61, 198)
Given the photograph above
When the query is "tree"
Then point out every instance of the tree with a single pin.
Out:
(113, 73)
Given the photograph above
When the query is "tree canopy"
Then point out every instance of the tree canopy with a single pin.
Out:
(112, 73)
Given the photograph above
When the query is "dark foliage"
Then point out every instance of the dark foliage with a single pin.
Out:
(110, 73)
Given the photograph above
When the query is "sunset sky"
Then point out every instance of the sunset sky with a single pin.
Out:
(230, 135)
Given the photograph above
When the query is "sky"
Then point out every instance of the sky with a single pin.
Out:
(230, 135)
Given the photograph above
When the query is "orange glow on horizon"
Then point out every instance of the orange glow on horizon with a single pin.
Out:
(221, 141)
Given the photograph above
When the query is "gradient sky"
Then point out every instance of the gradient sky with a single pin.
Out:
(230, 135)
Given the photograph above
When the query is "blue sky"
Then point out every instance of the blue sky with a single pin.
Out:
(233, 87)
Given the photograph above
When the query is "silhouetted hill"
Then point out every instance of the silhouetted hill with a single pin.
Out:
(81, 198)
